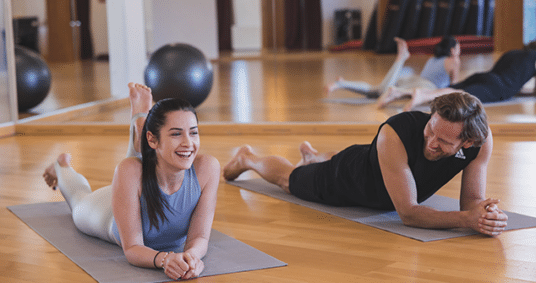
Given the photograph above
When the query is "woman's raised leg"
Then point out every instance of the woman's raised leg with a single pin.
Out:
(141, 101)
(394, 72)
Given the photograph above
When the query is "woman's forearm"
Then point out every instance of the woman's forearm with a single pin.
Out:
(197, 247)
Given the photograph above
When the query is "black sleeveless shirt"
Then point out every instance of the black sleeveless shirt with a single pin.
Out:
(353, 176)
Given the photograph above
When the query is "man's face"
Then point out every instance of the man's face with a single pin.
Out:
(441, 138)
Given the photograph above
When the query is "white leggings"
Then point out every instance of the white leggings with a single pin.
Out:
(92, 211)
(391, 79)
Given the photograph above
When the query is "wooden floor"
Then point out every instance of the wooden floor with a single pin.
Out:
(317, 247)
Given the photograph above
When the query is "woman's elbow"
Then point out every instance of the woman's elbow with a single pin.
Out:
(132, 257)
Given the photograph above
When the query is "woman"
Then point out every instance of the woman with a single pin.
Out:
(163, 204)
(509, 74)
(439, 71)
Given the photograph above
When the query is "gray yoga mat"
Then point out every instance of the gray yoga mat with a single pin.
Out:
(385, 220)
(106, 262)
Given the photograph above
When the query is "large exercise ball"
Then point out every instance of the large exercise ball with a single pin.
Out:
(33, 78)
(179, 70)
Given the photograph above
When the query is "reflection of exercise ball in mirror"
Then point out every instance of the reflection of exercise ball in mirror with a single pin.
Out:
(179, 71)
(33, 78)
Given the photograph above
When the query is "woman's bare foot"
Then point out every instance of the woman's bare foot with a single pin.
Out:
(332, 87)
(237, 165)
(50, 176)
(390, 95)
(141, 101)
(402, 49)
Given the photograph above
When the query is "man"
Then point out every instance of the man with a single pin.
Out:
(413, 155)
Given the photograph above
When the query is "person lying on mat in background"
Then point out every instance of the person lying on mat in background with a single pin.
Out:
(160, 206)
(439, 71)
(413, 155)
(506, 79)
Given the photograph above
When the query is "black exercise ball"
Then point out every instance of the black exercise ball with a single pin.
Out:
(33, 78)
(179, 70)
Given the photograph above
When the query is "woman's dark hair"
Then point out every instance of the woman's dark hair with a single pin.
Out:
(466, 108)
(444, 47)
(156, 119)
(530, 46)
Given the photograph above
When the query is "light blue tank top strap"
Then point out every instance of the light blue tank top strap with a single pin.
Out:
(172, 233)
(434, 71)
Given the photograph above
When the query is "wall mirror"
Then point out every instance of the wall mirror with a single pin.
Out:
(270, 57)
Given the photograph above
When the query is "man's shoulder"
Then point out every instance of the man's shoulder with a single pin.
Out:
(409, 117)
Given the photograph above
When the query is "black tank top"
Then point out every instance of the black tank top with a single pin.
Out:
(353, 176)
(429, 176)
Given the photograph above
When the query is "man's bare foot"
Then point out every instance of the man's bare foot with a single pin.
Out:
(310, 155)
(402, 49)
(50, 176)
(390, 95)
(237, 165)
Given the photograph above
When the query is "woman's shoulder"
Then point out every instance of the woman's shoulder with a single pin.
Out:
(207, 168)
(129, 165)
(205, 162)
(124, 181)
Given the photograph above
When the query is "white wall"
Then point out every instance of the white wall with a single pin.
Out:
(8, 89)
(191, 22)
(247, 27)
(127, 44)
(99, 27)
(33, 8)
(28, 8)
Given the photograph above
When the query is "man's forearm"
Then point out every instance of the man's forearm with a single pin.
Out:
(469, 204)
(425, 217)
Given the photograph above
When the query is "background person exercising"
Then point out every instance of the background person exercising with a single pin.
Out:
(507, 77)
(440, 70)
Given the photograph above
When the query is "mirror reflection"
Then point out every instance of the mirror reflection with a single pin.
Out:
(272, 59)
(71, 37)
(5, 112)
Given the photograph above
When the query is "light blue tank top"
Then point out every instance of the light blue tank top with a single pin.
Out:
(172, 233)
(434, 71)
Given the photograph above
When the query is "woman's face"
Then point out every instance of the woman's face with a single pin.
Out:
(179, 140)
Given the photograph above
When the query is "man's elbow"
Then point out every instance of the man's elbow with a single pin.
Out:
(409, 219)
